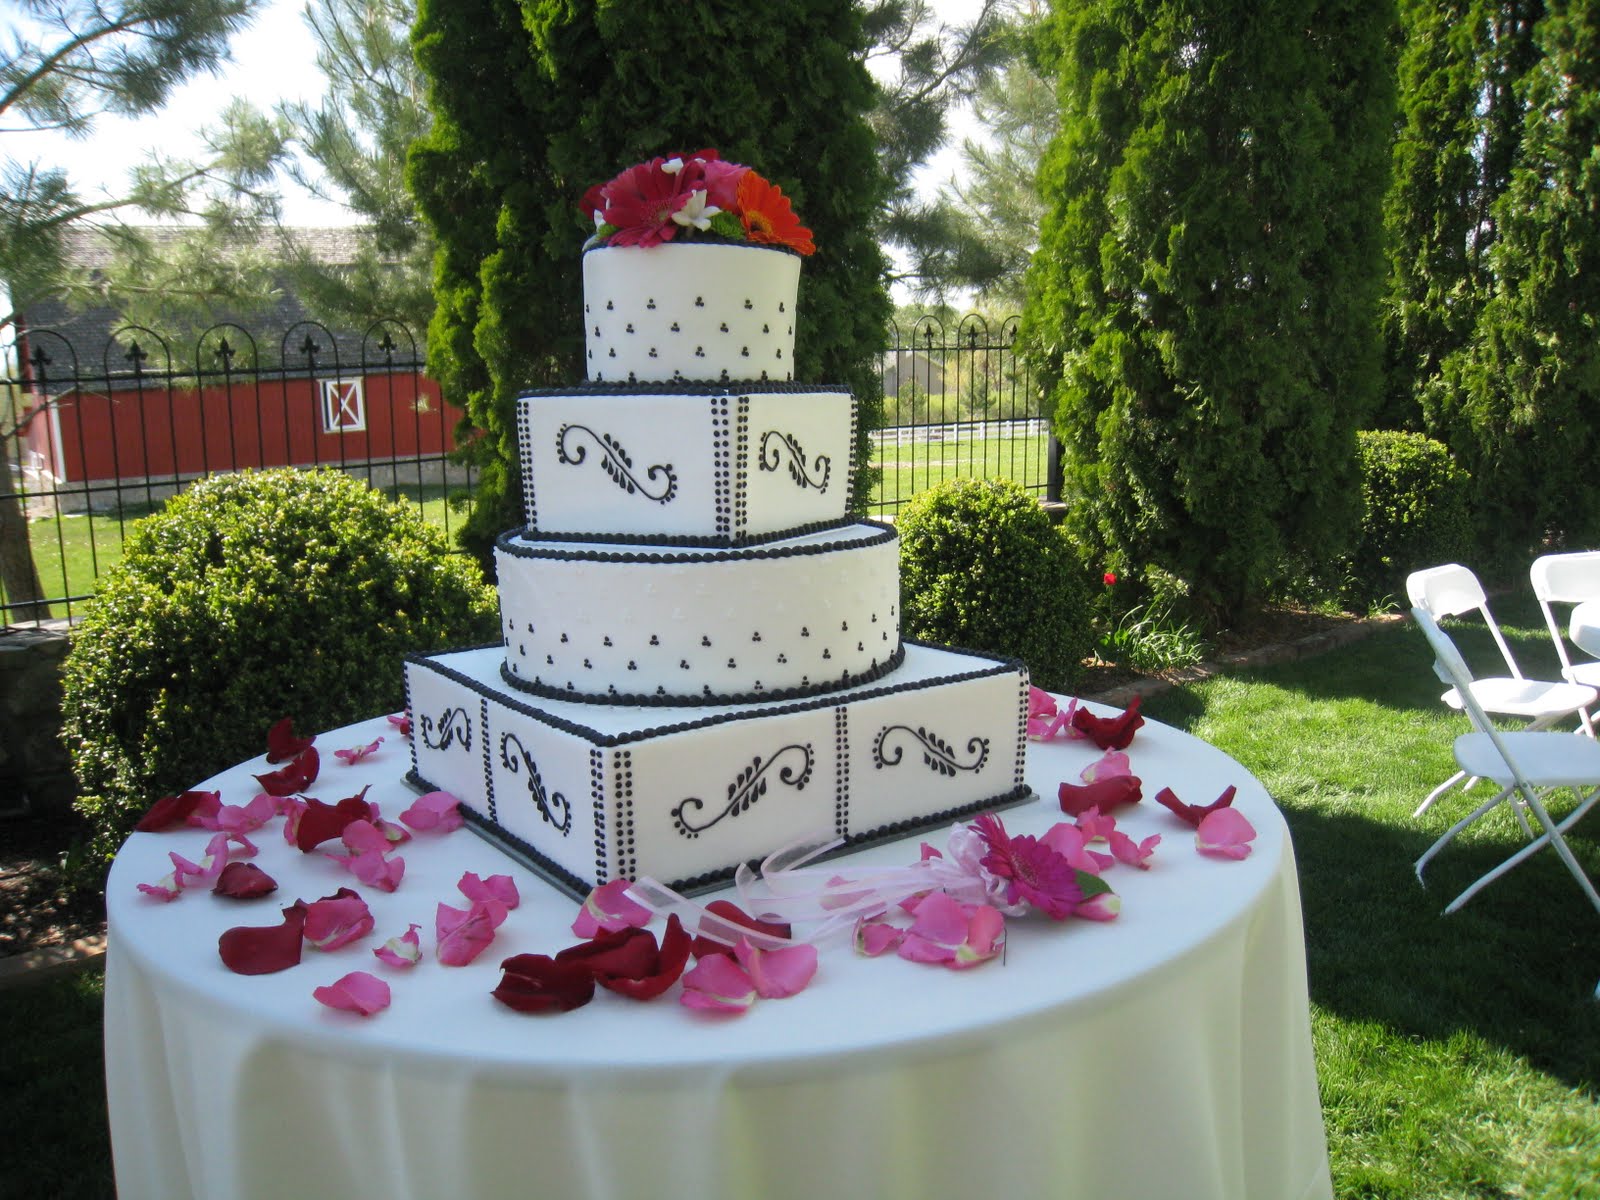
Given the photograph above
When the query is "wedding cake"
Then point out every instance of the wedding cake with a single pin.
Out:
(702, 659)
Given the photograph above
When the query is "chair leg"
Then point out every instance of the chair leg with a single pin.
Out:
(1553, 835)
(1442, 789)
(1449, 835)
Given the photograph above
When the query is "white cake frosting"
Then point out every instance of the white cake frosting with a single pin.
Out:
(695, 466)
(689, 311)
(800, 615)
(701, 658)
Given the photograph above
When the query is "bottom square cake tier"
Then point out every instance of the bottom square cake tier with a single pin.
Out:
(586, 793)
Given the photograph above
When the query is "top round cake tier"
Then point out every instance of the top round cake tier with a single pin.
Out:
(690, 312)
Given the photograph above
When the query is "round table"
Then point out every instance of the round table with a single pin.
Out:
(1163, 1054)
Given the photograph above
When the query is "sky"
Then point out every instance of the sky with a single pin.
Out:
(274, 60)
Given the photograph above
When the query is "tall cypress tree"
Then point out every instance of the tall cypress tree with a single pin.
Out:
(534, 102)
(1203, 306)
(1517, 402)
(1460, 126)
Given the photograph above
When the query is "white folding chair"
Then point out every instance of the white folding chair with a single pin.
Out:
(1568, 579)
(1452, 590)
(1525, 764)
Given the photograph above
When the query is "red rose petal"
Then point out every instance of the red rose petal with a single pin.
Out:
(244, 881)
(282, 745)
(175, 810)
(1193, 814)
(1109, 733)
(322, 822)
(296, 777)
(1104, 794)
(262, 950)
(537, 983)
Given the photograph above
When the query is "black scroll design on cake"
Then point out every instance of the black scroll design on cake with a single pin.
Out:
(793, 764)
(937, 754)
(553, 808)
(452, 726)
(618, 464)
(773, 445)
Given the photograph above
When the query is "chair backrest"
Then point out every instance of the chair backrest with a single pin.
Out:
(1449, 591)
(1564, 579)
(1451, 668)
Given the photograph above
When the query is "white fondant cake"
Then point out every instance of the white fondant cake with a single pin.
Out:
(684, 465)
(703, 311)
(645, 624)
(702, 657)
(593, 792)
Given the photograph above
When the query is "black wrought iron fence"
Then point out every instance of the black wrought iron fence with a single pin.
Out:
(96, 436)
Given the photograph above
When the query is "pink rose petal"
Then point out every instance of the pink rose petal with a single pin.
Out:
(1113, 764)
(357, 992)
(877, 937)
(355, 754)
(462, 934)
(337, 920)
(1225, 833)
(717, 984)
(436, 810)
(168, 889)
(777, 974)
(500, 888)
(610, 908)
(402, 951)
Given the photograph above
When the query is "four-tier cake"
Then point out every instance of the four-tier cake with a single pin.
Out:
(702, 659)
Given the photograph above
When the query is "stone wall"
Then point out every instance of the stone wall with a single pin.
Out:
(35, 770)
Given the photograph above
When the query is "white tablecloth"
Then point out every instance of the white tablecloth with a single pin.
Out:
(1166, 1054)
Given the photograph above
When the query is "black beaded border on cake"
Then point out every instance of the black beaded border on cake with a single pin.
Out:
(721, 541)
(721, 475)
(702, 238)
(597, 793)
(1022, 725)
(626, 846)
(755, 706)
(882, 532)
(710, 388)
(529, 482)
(704, 699)
(741, 480)
(841, 771)
(488, 758)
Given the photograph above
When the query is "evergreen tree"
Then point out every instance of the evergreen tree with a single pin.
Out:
(1203, 307)
(1517, 402)
(534, 103)
(358, 138)
(1460, 126)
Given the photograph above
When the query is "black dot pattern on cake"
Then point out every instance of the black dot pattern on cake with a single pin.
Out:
(722, 466)
(488, 760)
(627, 850)
(597, 801)
(741, 479)
(1022, 732)
(841, 771)
(938, 755)
(790, 766)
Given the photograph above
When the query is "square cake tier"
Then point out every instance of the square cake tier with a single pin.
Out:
(705, 466)
(588, 793)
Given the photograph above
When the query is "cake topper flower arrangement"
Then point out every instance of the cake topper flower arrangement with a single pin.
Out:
(693, 196)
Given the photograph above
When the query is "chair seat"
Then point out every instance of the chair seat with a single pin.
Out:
(1532, 698)
(1586, 673)
(1546, 759)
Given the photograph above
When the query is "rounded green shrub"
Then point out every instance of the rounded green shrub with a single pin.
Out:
(247, 598)
(1416, 501)
(983, 568)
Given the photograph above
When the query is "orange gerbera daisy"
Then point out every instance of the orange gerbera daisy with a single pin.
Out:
(767, 217)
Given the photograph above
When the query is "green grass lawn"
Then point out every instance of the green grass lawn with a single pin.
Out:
(1459, 1057)
(917, 466)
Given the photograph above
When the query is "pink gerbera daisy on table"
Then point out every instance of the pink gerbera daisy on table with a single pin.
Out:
(1034, 873)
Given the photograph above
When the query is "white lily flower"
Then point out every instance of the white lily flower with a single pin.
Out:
(696, 212)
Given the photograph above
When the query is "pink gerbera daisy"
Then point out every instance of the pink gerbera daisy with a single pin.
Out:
(640, 202)
(1034, 873)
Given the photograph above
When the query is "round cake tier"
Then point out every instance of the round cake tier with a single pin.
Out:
(642, 625)
(691, 311)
